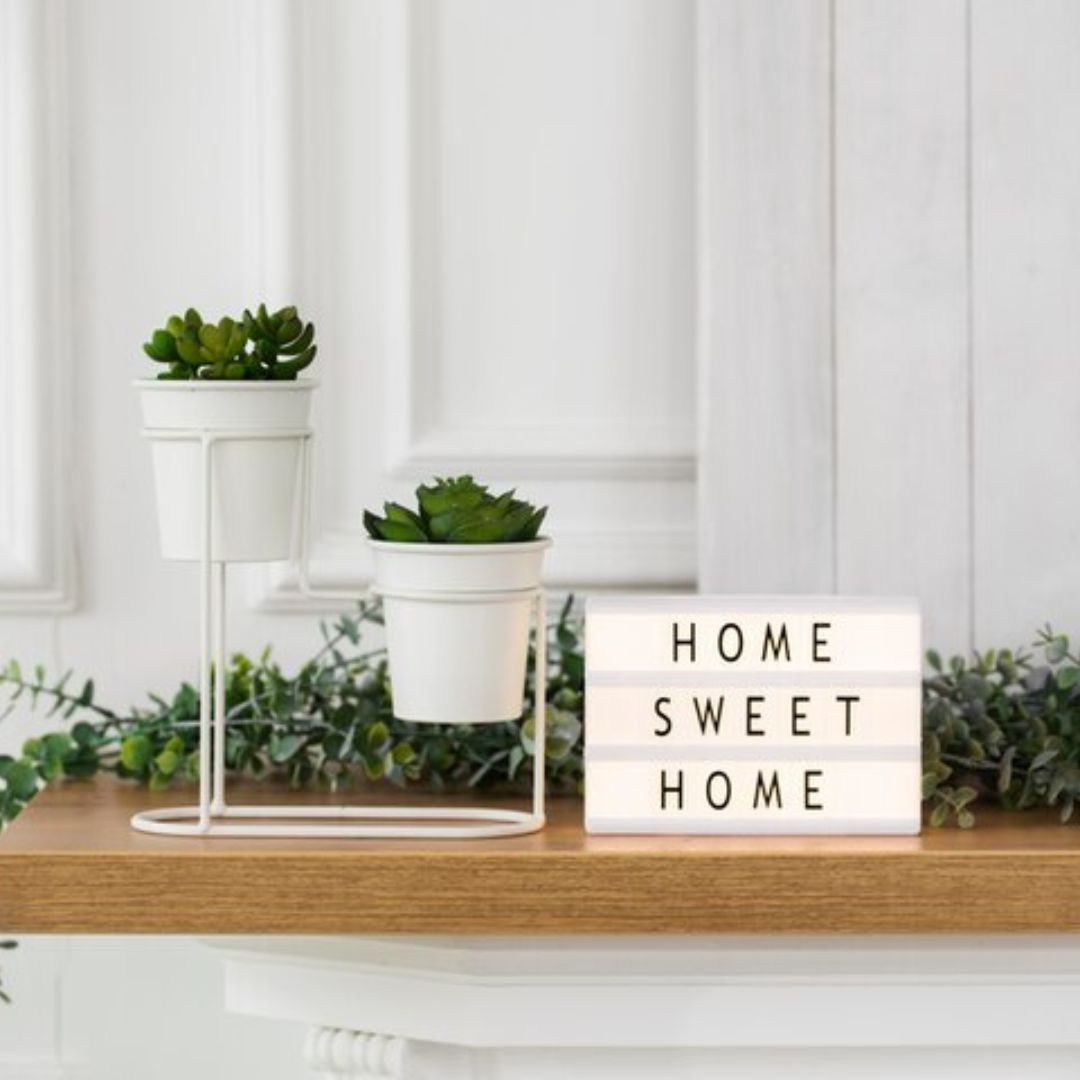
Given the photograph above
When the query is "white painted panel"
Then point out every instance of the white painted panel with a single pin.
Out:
(1026, 213)
(554, 151)
(36, 542)
(503, 277)
(152, 1008)
(766, 465)
(29, 1026)
(901, 300)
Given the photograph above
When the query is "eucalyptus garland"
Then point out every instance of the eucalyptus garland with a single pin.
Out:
(330, 724)
(1001, 727)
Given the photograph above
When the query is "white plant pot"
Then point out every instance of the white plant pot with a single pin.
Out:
(254, 482)
(455, 661)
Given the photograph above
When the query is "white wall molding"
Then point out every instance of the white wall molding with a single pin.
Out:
(644, 535)
(36, 522)
(619, 454)
(680, 994)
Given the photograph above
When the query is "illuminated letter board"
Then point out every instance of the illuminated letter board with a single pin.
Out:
(744, 715)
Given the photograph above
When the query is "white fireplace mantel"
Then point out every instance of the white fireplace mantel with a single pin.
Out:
(457, 1007)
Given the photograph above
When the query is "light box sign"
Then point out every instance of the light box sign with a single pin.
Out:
(752, 715)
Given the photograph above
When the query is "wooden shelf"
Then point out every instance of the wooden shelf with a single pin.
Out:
(71, 864)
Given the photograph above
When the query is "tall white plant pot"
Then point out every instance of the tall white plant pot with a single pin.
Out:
(457, 627)
(254, 481)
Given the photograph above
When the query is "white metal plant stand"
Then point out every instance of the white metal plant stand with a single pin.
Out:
(214, 815)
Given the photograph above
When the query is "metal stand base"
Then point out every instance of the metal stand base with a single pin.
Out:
(213, 816)
(487, 823)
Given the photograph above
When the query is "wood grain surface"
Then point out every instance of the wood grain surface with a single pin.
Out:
(72, 864)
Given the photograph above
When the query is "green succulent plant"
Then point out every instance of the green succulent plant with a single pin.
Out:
(278, 335)
(457, 510)
(229, 349)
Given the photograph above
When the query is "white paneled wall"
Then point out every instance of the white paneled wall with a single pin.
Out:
(505, 220)
(889, 335)
(1025, 173)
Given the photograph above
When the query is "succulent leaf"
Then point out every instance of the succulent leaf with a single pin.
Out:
(299, 343)
(457, 510)
(244, 348)
(189, 352)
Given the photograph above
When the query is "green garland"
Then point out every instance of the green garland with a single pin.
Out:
(330, 724)
(1002, 727)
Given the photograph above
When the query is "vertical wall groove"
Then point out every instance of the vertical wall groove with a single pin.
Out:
(969, 239)
(834, 494)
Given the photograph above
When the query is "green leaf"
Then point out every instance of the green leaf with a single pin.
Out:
(1056, 649)
(403, 754)
(1068, 677)
(84, 734)
(285, 747)
(167, 762)
(136, 752)
(22, 779)
(378, 736)
(1043, 758)
(964, 795)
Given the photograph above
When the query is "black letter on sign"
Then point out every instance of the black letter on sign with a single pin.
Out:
(738, 638)
(667, 789)
(752, 714)
(774, 789)
(820, 644)
(811, 790)
(710, 714)
(775, 643)
(676, 641)
(727, 790)
(797, 714)
(848, 700)
(658, 708)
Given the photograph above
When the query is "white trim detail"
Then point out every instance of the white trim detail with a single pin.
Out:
(341, 1052)
(706, 992)
(36, 526)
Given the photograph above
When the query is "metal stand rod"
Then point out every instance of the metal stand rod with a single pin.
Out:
(540, 707)
(218, 805)
(205, 618)
(213, 816)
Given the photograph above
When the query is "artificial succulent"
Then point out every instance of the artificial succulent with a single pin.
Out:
(278, 335)
(261, 346)
(457, 510)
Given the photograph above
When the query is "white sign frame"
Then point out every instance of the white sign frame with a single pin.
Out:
(735, 715)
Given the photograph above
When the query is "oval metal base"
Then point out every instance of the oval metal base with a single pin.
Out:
(349, 822)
